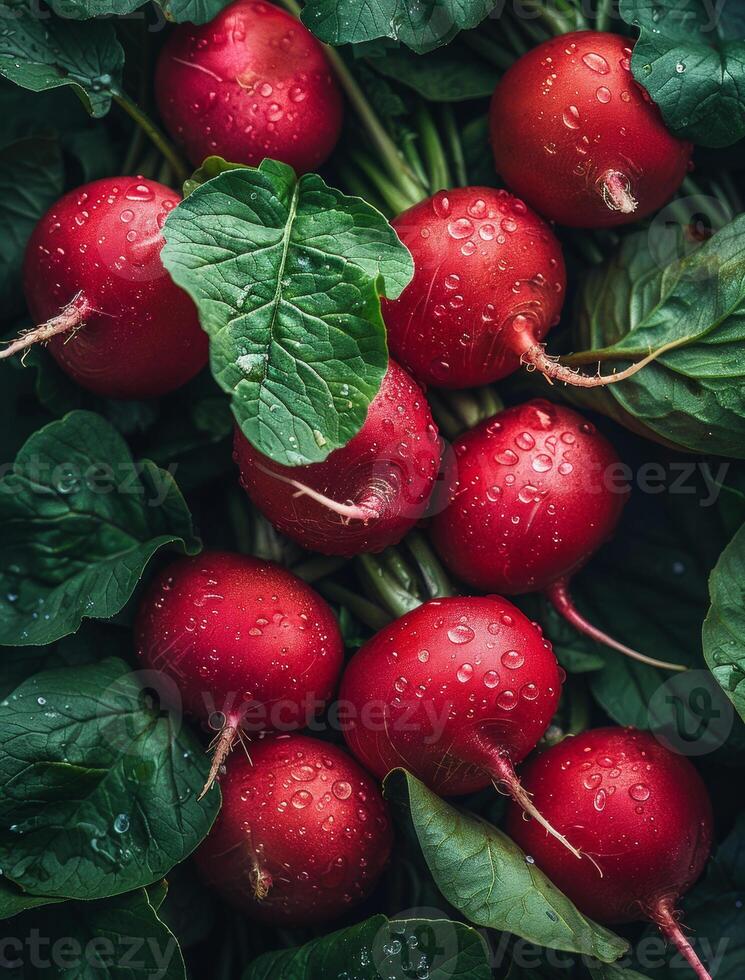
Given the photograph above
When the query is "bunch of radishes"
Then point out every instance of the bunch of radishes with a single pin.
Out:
(465, 686)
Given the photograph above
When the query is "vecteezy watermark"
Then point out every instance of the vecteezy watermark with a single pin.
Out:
(690, 714)
(142, 955)
(43, 476)
(677, 477)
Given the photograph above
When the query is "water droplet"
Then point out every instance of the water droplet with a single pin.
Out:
(603, 95)
(542, 463)
(571, 117)
(491, 679)
(512, 659)
(461, 634)
(121, 823)
(460, 228)
(596, 62)
(640, 792)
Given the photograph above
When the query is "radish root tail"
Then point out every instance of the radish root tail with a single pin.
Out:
(536, 359)
(221, 747)
(347, 511)
(69, 320)
(506, 775)
(664, 917)
(616, 190)
(559, 596)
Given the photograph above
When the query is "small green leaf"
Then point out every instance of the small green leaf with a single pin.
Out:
(484, 875)
(119, 938)
(381, 947)
(690, 57)
(192, 11)
(724, 627)
(31, 179)
(692, 397)
(287, 275)
(42, 53)
(211, 167)
(421, 27)
(610, 971)
(79, 521)
(13, 901)
(100, 784)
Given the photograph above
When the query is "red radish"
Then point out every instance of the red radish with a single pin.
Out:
(488, 285)
(536, 490)
(364, 496)
(252, 83)
(249, 645)
(114, 319)
(577, 137)
(302, 836)
(640, 815)
(458, 692)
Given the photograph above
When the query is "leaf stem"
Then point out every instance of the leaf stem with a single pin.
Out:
(604, 15)
(385, 589)
(489, 49)
(454, 145)
(434, 576)
(147, 125)
(396, 200)
(366, 611)
(436, 162)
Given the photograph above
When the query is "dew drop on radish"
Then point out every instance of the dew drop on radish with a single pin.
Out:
(579, 139)
(492, 685)
(303, 834)
(535, 491)
(250, 84)
(249, 645)
(639, 814)
(364, 496)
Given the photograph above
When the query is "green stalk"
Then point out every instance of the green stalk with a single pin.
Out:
(395, 599)
(410, 151)
(434, 155)
(134, 151)
(457, 411)
(318, 567)
(358, 186)
(434, 576)
(367, 612)
(454, 145)
(395, 563)
(604, 15)
(393, 196)
(239, 518)
(158, 138)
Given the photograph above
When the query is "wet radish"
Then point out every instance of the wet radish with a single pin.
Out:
(458, 692)
(113, 318)
(364, 496)
(249, 645)
(250, 84)
(577, 137)
(302, 836)
(640, 815)
(488, 285)
(535, 491)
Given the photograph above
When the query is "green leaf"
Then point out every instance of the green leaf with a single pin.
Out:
(487, 878)
(42, 53)
(690, 57)
(31, 179)
(192, 11)
(178, 11)
(724, 626)
(119, 938)
(287, 275)
(211, 167)
(79, 521)
(13, 901)
(610, 971)
(381, 947)
(451, 74)
(421, 27)
(692, 397)
(100, 783)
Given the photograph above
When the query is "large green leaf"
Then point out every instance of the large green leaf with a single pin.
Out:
(99, 783)
(79, 521)
(381, 947)
(41, 53)
(484, 875)
(193, 11)
(31, 179)
(690, 57)
(287, 275)
(422, 26)
(692, 397)
(118, 938)
(724, 626)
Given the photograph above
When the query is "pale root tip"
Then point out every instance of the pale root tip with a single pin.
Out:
(616, 191)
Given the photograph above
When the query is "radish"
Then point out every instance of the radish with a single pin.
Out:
(302, 836)
(489, 283)
(113, 318)
(458, 692)
(250, 84)
(640, 815)
(364, 496)
(536, 491)
(577, 137)
(249, 645)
